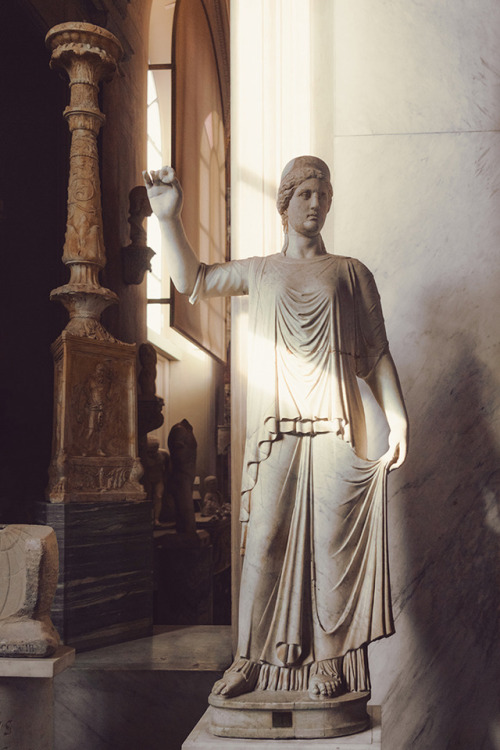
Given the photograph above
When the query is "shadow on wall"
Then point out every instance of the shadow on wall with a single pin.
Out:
(445, 696)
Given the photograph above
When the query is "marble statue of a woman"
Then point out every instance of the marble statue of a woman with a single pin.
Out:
(314, 587)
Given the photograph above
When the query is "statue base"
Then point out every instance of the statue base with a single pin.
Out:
(281, 714)
(27, 699)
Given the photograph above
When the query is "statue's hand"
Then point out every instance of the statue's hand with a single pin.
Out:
(164, 193)
(395, 456)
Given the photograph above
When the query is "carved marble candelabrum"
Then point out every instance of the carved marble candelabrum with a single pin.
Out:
(94, 454)
(89, 55)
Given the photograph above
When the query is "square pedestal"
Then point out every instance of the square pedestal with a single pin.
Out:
(202, 739)
(27, 699)
(105, 588)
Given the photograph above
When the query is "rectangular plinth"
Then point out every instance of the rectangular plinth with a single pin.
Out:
(105, 588)
(34, 667)
(202, 739)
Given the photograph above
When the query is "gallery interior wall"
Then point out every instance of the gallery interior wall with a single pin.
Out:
(33, 189)
(32, 221)
(403, 101)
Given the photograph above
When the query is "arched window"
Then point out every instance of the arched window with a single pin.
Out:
(189, 68)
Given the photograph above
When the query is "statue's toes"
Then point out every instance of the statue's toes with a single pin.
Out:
(218, 687)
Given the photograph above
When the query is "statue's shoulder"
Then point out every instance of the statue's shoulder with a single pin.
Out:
(261, 261)
(354, 265)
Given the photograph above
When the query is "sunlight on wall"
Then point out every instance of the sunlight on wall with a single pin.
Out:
(278, 84)
(155, 313)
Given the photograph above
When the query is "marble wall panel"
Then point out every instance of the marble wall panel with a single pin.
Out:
(105, 588)
(416, 65)
(422, 211)
(120, 710)
(406, 93)
(148, 693)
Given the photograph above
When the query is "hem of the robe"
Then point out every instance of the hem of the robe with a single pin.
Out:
(351, 669)
(198, 284)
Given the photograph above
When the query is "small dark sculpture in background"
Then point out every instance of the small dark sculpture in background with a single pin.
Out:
(150, 417)
(156, 469)
(150, 405)
(147, 376)
(136, 257)
(212, 499)
(182, 447)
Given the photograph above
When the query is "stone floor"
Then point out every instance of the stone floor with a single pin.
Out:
(146, 694)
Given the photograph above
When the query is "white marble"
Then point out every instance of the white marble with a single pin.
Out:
(428, 227)
(38, 667)
(415, 66)
(201, 739)
(414, 87)
(29, 568)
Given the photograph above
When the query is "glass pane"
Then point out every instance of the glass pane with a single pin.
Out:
(163, 84)
(154, 311)
(160, 31)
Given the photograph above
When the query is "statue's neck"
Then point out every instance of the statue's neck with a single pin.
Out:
(300, 246)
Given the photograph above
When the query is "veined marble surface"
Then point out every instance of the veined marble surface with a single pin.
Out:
(415, 66)
(422, 210)
(146, 694)
(407, 97)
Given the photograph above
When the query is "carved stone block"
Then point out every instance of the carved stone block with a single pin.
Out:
(94, 451)
(28, 577)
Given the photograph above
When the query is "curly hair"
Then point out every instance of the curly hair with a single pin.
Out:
(291, 181)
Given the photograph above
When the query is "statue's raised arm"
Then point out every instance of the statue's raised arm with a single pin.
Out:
(165, 196)
(314, 589)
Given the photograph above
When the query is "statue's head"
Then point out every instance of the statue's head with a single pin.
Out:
(147, 354)
(296, 172)
(139, 202)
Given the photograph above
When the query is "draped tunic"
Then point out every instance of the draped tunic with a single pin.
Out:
(314, 325)
(318, 513)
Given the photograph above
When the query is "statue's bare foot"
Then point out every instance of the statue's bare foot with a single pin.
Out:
(232, 684)
(325, 686)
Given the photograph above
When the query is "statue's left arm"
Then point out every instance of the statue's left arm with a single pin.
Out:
(375, 364)
(384, 383)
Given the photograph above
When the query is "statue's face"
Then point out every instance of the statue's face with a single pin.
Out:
(308, 207)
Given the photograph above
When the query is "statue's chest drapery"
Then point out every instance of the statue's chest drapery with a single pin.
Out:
(311, 307)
